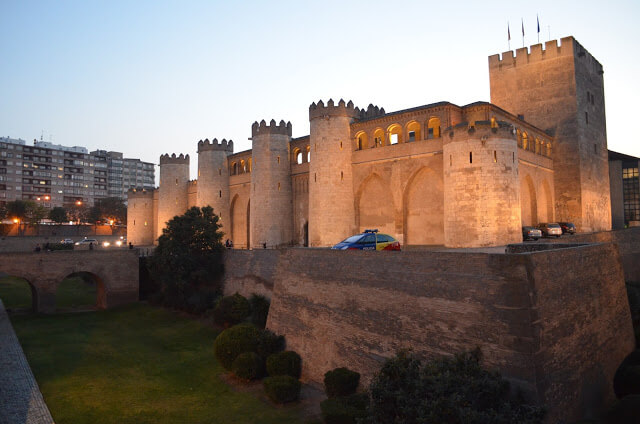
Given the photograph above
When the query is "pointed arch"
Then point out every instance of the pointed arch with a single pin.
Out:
(545, 203)
(374, 205)
(239, 221)
(528, 201)
(362, 141)
(423, 208)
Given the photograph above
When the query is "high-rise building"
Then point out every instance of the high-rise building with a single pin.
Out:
(56, 175)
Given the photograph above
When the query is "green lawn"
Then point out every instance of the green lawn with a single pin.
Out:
(15, 293)
(73, 292)
(137, 364)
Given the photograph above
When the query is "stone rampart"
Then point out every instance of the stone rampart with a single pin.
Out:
(250, 271)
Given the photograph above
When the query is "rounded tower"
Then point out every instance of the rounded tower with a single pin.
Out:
(331, 199)
(213, 177)
(271, 206)
(172, 192)
(140, 217)
(481, 186)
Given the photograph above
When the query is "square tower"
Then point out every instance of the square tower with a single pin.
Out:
(560, 89)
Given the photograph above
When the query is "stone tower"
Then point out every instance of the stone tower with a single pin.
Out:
(271, 196)
(213, 177)
(481, 186)
(560, 89)
(331, 200)
(172, 192)
(140, 217)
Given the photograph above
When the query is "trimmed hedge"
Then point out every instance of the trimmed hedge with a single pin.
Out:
(341, 382)
(230, 310)
(259, 310)
(248, 365)
(284, 363)
(282, 388)
(233, 341)
(269, 343)
(345, 410)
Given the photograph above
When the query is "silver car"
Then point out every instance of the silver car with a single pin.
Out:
(550, 229)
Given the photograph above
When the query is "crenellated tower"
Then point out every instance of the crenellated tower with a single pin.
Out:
(331, 199)
(213, 177)
(271, 194)
(140, 217)
(172, 192)
(481, 185)
(560, 89)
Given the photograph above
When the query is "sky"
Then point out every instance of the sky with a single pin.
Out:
(152, 77)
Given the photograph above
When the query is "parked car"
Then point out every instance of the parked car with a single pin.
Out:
(567, 227)
(66, 241)
(550, 229)
(369, 240)
(87, 242)
(531, 233)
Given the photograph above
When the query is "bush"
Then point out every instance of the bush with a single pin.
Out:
(259, 310)
(626, 380)
(282, 388)
(231, 310)
(233, 341)
(248, 365)
(345, 410)
(341, 382)
(284, 363)
(269, 343)
(200, 300)
(625, 411)
(60, 246)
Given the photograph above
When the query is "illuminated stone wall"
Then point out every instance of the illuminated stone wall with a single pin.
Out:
(213, 177)
(172, 193)
(140, 217)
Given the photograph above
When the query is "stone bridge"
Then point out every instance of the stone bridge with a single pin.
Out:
(115, 273)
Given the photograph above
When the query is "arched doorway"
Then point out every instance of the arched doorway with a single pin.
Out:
(375, 205)
(424, 209)
(528, 202)
(17, 294)
(238, 223)
(80, 290)
(545, 205)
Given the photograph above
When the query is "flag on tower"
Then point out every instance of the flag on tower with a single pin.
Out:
(508, 35)
(522, 20)
(538, 22)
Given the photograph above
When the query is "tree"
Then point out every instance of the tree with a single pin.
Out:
(109, 209)
(18, 209)
(453, 390)
(26, 211)
(58, 215)
(187, 259)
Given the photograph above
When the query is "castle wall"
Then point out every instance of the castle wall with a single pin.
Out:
(213, 178)
(192, 193)
(536, 188)
(140, 217)
(481, 187)
(172, 193)
(515, 307)
(550, 88)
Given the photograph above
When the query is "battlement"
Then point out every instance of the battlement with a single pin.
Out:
(567, 46)
(173, 159)
(319, 110)
(140, 193)
(263, 129)
(482, 130)
(372, 112)
(224, 145)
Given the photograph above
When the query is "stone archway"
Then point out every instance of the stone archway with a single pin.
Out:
(239, 223)
(18, 293)
(375, 208)
(423, 207)
(80, 290)
(545, 204)
(528, 201)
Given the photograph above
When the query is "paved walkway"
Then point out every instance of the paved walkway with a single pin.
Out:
(20, 399)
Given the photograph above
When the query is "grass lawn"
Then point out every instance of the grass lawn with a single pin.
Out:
(73, 292)
(138, 364)
(15, 293)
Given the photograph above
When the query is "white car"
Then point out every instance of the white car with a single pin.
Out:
(87, 242)
(66, 241)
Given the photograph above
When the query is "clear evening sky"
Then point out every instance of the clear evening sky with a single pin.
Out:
(153, 77)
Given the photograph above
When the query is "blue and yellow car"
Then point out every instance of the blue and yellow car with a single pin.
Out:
(369, 240)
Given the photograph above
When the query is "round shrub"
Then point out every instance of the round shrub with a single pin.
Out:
(231, 310)
(345, 410)
(282, 388)
(259, 310)
(233, 341)
(248, 365)
(284, 363)
(269, 343)
(341, 382)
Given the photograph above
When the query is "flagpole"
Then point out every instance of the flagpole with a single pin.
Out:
(522, 21)
(508, 36)
(538, 22)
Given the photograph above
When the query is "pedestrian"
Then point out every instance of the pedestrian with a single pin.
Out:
(91, 246)
(226, 244)
(37, 249)
(130, 246)
(230, 244)
(47, 248)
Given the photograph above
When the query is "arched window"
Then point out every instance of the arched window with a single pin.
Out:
(395, 134)
(433, 128)
(378, 138)
(249, 163)
(537, 146)
(308, 153)
(494, 123)
(548, 149)
(243, 167)
(234, 168)
(525, 141)
(413, 131)
(362, 141)
(297, 156)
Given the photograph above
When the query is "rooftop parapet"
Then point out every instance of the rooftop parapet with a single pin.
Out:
(567, 46)
(140, 193)
(319, 110)
(173, 159)
(372, 112)
(262, 128)
(480, 129)
(224, 145)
